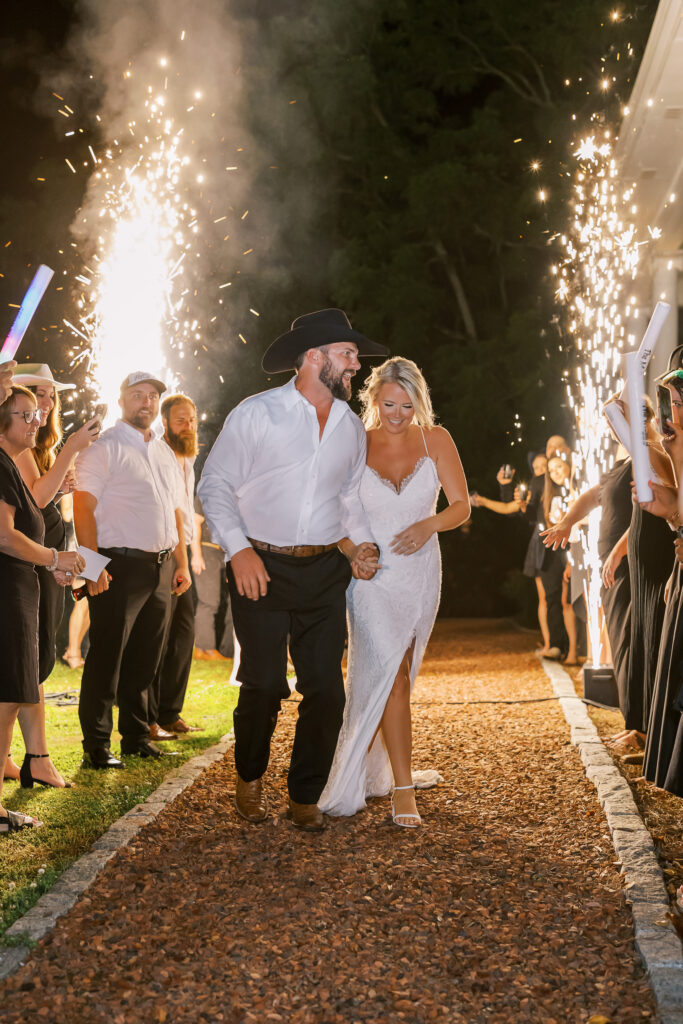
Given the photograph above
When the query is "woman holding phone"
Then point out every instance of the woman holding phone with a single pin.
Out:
(22, 550)
(48, 474)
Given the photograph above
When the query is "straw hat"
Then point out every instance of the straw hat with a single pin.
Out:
(28, 375)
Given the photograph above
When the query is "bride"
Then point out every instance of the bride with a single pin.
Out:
(409, 460)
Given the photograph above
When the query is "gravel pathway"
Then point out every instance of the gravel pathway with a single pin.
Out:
(506, 906)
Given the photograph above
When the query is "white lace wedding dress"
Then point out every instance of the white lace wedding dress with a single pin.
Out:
(385, 614)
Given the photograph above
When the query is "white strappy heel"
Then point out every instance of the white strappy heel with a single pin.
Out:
(394, 815)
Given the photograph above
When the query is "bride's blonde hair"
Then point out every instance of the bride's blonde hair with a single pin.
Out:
(408, 376)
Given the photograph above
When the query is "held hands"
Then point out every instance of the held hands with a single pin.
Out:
(100, 585)
(557, 536)
(182, 580)
(364, 560)
(415, 537)
(251, 578)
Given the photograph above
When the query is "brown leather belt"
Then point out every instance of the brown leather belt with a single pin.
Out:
(295, 550)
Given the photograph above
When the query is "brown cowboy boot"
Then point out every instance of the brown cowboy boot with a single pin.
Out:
(308, 817)
(250, 803)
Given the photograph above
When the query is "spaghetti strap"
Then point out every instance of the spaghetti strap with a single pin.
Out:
(424, 442)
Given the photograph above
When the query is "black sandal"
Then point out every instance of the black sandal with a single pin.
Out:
(27, 780)
(16, 822)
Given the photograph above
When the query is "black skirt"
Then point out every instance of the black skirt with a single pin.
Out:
(651, 561)
(663, 762)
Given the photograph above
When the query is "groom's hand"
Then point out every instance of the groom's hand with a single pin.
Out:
(251, 578)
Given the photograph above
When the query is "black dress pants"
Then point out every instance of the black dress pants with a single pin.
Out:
(127, 629)
(167, 694)
(305, 601)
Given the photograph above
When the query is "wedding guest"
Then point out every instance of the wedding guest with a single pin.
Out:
(279, 489)
(167, 694)
(47, 471)
(22, 531)
(613, 495)
(651, 562)
(79, 624)
(663, 758)
(125, 507)
(78, 621)
(546, 495)
(212, 634)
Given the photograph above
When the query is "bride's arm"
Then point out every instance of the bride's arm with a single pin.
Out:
(452, 478)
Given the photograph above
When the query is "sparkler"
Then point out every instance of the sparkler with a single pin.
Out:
(134, 295)
(601, 256)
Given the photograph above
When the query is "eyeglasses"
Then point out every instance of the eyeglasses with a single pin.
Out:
(31, 414)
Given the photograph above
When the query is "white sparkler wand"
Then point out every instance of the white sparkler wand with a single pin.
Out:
(652, 332)
(619, 424)
(642, 470)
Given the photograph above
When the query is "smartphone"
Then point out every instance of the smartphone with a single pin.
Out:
(664, 409)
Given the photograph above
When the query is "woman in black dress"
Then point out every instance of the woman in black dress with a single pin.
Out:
(47, 477)
(663, 761)
(21, 550)
(613, 494)
(651, 562)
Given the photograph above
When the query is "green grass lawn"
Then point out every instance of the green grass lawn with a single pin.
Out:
(30, 861)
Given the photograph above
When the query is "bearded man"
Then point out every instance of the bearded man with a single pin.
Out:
(167, 694)
(126, 506)
(279, 489)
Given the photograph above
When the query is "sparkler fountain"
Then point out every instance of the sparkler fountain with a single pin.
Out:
(601, 257)
(132, 297)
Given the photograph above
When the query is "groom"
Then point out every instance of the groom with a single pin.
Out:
(279, 490)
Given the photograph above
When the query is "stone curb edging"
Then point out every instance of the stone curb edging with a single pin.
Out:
(71, 885)
(655, 936)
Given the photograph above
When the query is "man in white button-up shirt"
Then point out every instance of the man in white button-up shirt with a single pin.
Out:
(280, 489)
(126, 506)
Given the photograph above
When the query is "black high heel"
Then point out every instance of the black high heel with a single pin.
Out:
(27, 780)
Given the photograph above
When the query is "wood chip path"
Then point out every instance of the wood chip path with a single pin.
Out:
(506, 906)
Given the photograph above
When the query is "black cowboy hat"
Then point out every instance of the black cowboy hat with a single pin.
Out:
(311, 331)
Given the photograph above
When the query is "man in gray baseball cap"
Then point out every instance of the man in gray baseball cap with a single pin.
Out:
(127, 507)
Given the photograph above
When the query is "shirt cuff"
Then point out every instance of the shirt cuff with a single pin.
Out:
(235, 541)
(361, 535)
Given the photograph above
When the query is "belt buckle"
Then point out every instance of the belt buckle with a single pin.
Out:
(161, 557)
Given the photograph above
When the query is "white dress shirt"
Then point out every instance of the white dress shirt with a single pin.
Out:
(184, 477)
(136, 494)
(270, 475)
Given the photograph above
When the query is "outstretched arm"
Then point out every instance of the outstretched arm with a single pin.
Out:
(558, 535)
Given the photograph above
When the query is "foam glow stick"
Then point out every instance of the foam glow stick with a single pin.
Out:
(642, 470)
(36, 290)
(652, 331)
(619, 424)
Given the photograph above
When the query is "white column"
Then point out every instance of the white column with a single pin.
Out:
(665, 270)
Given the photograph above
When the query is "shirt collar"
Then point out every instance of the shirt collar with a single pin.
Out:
(133, 435)
(291, 396)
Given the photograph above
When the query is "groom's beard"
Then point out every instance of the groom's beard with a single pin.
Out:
(337, 384)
